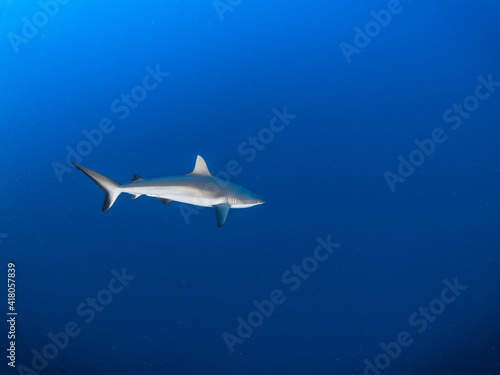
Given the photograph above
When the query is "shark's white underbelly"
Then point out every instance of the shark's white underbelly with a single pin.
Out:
(183, 195)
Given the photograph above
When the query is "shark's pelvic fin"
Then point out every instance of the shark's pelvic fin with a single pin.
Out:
(111, 188)
(200, 168)
(221, 211)
(165, 200)
(136, 178)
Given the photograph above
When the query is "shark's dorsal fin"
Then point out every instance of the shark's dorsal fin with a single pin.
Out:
(200, 168)
(221, 211)
(135, 196)
(136, 178)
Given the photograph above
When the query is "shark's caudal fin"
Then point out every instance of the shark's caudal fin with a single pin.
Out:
(111, 188)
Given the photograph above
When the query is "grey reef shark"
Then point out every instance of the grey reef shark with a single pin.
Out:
(198, 188)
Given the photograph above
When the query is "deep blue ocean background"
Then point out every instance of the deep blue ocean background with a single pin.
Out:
(323, 175)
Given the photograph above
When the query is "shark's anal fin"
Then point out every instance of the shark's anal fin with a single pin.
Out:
(135, 178)
(200, 168)
(165, 200)
(221, 211)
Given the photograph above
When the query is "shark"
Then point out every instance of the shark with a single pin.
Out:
(199, 188)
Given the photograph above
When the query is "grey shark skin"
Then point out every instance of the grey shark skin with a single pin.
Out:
(198, 188)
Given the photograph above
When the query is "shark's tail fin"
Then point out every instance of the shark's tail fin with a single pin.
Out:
(111, 188)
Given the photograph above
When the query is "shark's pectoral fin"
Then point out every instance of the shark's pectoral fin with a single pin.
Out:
(165, 200)
(221, 211)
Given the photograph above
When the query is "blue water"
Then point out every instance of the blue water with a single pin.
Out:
(371, 130)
